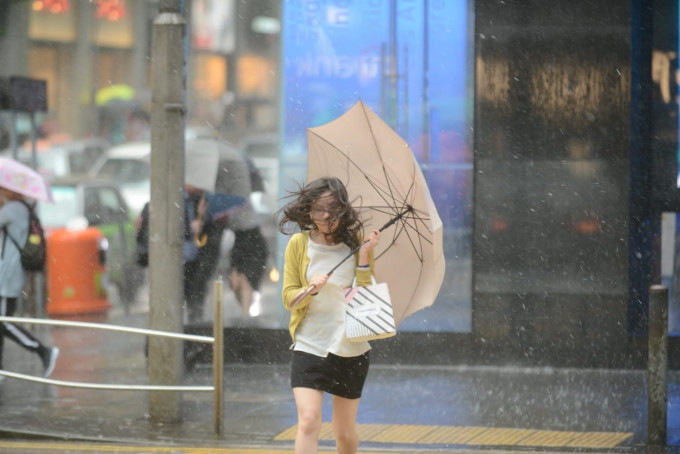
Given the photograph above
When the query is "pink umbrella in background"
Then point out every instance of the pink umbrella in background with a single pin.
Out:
(20, 178)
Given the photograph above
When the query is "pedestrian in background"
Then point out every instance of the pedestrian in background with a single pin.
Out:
(200, 171)
(238, 176)
(197, 226)
(14, 222)
(323, 359)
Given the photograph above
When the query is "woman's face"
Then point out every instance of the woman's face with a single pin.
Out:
(325, 213)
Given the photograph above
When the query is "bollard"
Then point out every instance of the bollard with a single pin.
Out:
(218, 357)
(657, 365)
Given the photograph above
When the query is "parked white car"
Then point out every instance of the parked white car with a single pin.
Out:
(129, 165)
(63, 159)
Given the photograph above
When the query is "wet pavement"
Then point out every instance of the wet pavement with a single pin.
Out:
(406, 408)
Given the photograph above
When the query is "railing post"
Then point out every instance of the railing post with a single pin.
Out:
(218, 357)
(657, 365)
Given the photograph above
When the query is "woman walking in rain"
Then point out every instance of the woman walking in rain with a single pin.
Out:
(14, 226)
(323, 359)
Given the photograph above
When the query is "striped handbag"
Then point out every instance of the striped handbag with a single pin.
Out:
(369, 313)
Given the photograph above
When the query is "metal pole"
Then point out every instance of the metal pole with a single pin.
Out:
(13, 139)
(34, 141)
(35, 281)
(427, 140)
(392, 114)
(218, 357)
(166, 213)
(657, 365)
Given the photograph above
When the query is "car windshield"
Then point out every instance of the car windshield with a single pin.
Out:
(57, 163)
(125, 170)
(64, 208)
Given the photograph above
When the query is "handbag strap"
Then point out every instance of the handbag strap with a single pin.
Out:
(354, 282)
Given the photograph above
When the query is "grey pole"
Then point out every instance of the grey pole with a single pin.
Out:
(218, 358)
(166, 214)
(657, 365)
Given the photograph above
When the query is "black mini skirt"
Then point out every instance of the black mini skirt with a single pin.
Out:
(343, 377)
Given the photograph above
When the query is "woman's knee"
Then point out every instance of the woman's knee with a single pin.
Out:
(346, 435)
(309, 423)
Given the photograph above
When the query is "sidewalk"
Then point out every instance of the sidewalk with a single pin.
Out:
(428, 407)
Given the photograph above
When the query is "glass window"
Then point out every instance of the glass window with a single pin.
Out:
(126, 170)
(102, 206)
(77, 163)
(212, 25)
(63, 210)
(52, 20)
(53, 164)
(112, 204)
(113, 24)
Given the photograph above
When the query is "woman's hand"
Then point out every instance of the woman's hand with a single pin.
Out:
(371, 240)
(201, 207)
(318, 281)
(196, 226)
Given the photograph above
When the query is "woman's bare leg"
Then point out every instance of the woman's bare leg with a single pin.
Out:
(242, 290)
(309, 405)
(345, 424)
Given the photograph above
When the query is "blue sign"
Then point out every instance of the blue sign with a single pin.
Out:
(409, 65)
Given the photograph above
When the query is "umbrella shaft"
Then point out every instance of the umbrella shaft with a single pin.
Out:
(396, 218)
(354, 251)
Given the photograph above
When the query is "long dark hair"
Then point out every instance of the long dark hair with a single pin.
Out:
(299, 211)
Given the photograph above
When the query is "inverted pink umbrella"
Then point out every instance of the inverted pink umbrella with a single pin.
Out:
(20, 178)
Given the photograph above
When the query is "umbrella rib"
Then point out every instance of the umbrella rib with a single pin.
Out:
(392, 209)
(416, 219)
(388, 194)
(385, 195)
(379, 152)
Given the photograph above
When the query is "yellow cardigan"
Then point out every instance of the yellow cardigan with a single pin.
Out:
(294, 277)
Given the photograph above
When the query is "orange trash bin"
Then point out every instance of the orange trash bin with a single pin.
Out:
(76, 272)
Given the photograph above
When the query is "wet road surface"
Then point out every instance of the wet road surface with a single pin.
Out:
(404, 408)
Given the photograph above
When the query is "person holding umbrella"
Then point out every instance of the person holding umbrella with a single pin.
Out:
(323, 359)
(14, 223)
(199, 178)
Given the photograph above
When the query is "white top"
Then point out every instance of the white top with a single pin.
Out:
(322, 331)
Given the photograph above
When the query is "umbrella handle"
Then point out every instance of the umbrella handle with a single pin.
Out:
(302, 295)
(408, 209)
(200, 242)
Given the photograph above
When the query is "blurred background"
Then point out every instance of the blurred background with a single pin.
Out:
(547, 134)
(242, 57)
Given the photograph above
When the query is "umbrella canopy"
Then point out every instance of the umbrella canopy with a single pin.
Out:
(20, 178)
(217, 162)
(201, 158)
(113, 92)
(385, 183)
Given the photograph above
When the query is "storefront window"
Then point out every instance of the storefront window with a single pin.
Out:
(52, 21)
(113, 24)
(212, 25)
